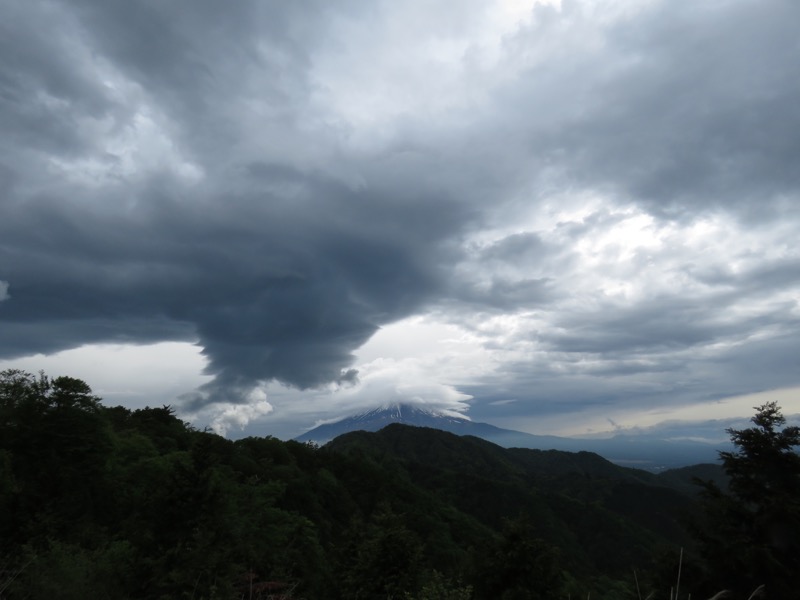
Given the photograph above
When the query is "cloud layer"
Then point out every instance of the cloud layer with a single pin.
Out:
(602, 198)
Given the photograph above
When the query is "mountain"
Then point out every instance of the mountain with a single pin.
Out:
(579, 498)
(411, 414)
(640, 451)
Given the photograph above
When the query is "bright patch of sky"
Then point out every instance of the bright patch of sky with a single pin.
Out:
(134, 376)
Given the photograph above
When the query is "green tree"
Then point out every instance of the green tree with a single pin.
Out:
(56, 443)
(750, 533)
(522, 566)
(386, 560)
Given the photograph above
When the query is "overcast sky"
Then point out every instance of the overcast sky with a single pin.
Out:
(556, 217)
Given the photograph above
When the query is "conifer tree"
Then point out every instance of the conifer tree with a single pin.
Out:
(751, 533)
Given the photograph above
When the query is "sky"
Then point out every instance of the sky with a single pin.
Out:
(569, 217)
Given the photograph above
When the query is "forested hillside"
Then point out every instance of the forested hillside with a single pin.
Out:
(99, 502)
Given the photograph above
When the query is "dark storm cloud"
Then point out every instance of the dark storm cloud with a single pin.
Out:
(667, 322)
(282, 293)
(683, 105)
(277, 271)
(44, 86)
(182, 171)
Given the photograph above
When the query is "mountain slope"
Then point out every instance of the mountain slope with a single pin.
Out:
(579, 501)
(640, 451)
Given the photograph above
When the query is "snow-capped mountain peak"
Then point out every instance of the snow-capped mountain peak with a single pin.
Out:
(378, 418)
(643, 452)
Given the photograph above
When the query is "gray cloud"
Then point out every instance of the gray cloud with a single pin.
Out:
(277, 270)
(272, 287)
(276, 182)
(681, 107)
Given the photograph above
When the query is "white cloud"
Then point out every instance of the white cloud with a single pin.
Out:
(4, 295)
(721, 413)
(130, 375)
(226, 417)
(410, 381)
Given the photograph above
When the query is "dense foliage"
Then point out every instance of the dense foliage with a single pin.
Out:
(100, 502)
(750, 535)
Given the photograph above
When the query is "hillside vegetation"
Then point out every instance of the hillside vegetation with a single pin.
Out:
(100, 502)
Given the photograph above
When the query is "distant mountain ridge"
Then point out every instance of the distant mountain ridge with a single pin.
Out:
(482, 478)
(378, 418)
(641, 451)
